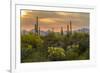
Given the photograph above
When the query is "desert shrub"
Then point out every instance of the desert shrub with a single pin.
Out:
(53, 40)
(25, 52)
(55, 53)
(33, 40)
(72, 52)
(85, 55)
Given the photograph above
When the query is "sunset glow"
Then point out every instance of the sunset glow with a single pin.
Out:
(53, 19)
(47, 20)
(23, 13)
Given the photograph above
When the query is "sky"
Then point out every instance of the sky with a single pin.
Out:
(53, 19)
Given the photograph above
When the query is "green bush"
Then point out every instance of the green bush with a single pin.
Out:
(72, 52)
(25, 52)
(55, 53)
(54, 47)
(84, 55)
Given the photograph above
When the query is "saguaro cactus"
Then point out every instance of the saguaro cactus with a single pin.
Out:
(62, 31)
(39, 31)
(36, 26)
(67, 29)
(52, 29)
(70, 23)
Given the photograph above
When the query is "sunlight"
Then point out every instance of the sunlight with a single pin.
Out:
(48, 20)
(23, 13)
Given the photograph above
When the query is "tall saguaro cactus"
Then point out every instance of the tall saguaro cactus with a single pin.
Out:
(67, 29)
(39, 31)
(52, 29)
(62, 31)
(36, 26)
(70, 23)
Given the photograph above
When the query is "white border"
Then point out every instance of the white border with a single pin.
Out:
(16, 66)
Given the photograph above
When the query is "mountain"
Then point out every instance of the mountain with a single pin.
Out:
(41, 32)
(23, 32)
(86, 30)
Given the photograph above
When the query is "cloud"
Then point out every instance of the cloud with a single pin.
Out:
(61, 13)
(54, 19)
(47, 20)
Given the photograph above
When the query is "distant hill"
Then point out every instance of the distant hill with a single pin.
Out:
(41, 32)
(86, 30)
(23, 32)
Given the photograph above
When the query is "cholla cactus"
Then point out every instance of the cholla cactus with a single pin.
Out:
(56, 53)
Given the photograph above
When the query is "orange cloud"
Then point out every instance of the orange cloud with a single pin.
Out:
(53, 19)
(62, 13)
(46, 20)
